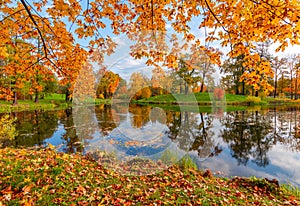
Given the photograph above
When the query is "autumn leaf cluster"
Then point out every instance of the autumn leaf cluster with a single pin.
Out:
(60, 36)
(30, 176)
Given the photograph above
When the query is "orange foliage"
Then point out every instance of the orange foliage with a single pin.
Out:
(238, 23)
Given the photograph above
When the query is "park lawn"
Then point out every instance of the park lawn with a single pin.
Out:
(45, 177)
(200, 98)
(50, 102)
(24, 105)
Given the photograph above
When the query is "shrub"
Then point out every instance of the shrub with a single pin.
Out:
(219, 94)
(146, 93)
(7, 128)
(169, 157)
(253, 99)
(187, 163)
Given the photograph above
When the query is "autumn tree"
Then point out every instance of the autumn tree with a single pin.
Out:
(236, 24)
(84, 87)
(188, 74)
(13, 68)
(139, 86)
(160, 81)
(233, 69)
(107, 85)
(36, 47)
(278, 65)
(283, 84)
(202, 63)
(292, 61)
(259, 71)
(146, 93)
(121, 91)
(297, 80)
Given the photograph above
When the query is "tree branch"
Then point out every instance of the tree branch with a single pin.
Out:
(37, 27)
(214, 15)
(11, 15)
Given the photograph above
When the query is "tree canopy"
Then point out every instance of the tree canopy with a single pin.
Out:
(62, 35)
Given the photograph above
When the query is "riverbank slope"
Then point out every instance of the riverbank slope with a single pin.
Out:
(45, 177)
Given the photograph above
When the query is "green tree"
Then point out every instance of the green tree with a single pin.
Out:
(188, 73)
(234, 69)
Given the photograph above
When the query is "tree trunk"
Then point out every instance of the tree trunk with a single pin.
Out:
(202, 83)
(291, 85)
(281, 84)
(36, 99)
(15, 101)
(236, 89)
(275, 84)
(68, 98)
(243, 82)
(180, 88)
(296, 85)
(186, 88)
(202, 87)
(243, 88)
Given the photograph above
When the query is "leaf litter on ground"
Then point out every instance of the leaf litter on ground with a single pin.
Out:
(46, 177)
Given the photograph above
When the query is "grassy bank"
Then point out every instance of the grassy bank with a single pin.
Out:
(208, 99)
(45, 177)
(200, 98)
(50, 102)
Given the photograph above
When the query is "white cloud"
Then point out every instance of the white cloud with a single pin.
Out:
(288, 51)
(286, 160)
(284, 165)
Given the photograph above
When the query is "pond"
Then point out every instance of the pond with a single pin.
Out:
(253, 142)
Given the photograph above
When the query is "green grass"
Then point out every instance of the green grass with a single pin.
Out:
(281, 101)
(50, 102)
(55, 96)
(207, 99)
(235, 98)
(30, 105)
(205, 108)
(45, 177)
(200, 98)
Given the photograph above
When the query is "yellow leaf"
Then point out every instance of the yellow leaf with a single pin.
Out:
(51, 146)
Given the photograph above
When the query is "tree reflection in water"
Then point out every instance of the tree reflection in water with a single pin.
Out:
(249, 135)
(33, 127)
(193, 132)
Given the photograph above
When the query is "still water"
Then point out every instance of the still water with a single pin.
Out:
(254, 142)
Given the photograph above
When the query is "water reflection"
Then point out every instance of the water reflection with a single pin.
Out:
(33, 127)
(249, 136)
(69, 138)
(245, 143)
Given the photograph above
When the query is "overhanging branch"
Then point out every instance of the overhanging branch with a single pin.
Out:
(37, 27)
